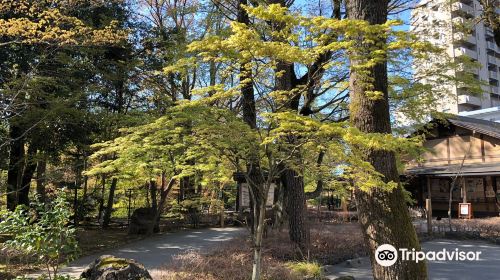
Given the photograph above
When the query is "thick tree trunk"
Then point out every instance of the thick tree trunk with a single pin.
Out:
(16, 164)
(152, 192)
(109, 207)
(164, 191)
(280, 204)
(383, 215)
(29, 170)
(293, 183)
(298, 230)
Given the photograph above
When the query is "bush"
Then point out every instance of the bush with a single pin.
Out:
(42, 231)
(306, 270)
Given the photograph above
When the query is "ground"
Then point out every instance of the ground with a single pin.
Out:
(158, 250)
(220, 254)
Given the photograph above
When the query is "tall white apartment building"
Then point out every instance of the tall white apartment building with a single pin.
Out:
(442, 18)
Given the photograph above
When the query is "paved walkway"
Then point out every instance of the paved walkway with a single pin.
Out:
(488, 267)
(158, 250)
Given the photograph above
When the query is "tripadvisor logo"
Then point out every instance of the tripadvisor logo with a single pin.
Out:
(387, 255)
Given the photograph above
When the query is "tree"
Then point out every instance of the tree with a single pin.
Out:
(383, 214)
(491, 17)
(249, 51)
(37, 39)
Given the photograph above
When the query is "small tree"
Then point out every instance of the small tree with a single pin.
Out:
(43, 231)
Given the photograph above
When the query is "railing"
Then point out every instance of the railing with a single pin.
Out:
(491, 45)
(469, 99)
(464, 51)
(461, 7)
(493, 74)
(492, 59)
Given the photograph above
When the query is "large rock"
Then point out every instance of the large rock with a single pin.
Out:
(109, 267)
(142, 220)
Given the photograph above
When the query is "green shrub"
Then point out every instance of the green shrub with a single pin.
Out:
(42, 230)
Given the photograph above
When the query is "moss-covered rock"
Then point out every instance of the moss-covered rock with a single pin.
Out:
(109, 267)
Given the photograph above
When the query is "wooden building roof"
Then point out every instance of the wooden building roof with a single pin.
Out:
(460, 146)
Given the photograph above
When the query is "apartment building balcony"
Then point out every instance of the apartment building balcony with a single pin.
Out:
(465, 51)
(493, 75)
(491, 45)
(489, 31)
(466, 99)
(462, 37)
(462, 9)
(492, 59)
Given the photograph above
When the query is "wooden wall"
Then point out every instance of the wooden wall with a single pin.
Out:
(451, 150)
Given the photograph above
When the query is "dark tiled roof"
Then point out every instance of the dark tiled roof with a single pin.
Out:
(476, 169)
(481, 126)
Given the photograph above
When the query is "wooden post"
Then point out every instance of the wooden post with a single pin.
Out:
(428, 206)
(464, 188)
(222, 216)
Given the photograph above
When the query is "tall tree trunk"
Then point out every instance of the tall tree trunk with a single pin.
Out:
(280, 204)
(40, 179)
(259, 235)
(292, 182)
(101, 201)
(254, 173)
(298, 230)
(152, 192)
(29, 170)
(16, 164)
(109, 206)
(383, 215)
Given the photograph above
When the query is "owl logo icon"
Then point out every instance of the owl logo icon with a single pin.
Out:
(386, 255)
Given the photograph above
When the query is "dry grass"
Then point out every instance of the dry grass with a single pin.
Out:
(329, 244)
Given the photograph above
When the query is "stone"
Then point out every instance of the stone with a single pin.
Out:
(109, 267)
(142, 220)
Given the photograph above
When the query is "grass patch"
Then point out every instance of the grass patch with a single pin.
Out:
(307, 270)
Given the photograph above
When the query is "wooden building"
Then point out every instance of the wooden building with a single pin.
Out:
(463, 152)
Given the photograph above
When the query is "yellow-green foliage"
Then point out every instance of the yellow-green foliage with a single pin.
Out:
(217, 139)
(49, 22)
(306, 270)
(113, 262)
